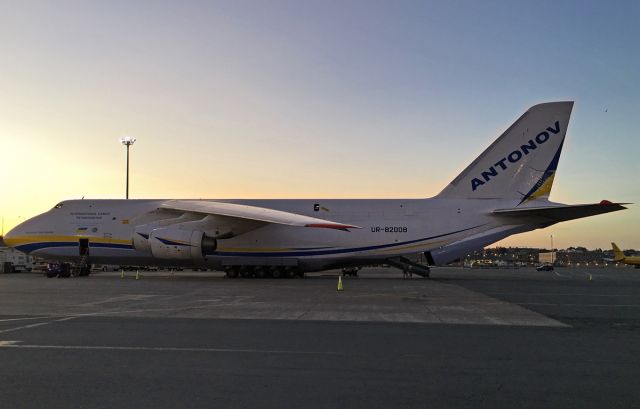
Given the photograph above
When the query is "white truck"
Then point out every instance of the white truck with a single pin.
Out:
(13, 261)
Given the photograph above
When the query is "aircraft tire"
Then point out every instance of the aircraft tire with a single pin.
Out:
(277, 273)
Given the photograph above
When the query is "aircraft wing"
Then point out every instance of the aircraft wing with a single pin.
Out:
(556, 214)
(252, 213)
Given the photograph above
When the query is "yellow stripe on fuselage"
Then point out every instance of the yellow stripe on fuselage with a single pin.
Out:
(45, 238)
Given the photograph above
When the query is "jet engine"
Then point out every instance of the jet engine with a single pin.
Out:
(142, 231)
(176, 244)
(141, 239)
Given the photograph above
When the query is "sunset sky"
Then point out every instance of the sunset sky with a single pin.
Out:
(309, 99)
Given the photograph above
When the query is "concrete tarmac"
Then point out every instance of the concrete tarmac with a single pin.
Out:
(466, 338)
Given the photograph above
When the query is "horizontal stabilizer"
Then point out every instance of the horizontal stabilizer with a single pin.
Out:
(556, 214)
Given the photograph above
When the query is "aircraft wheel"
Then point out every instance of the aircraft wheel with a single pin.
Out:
(277, 273)
(245, 273)
(232, 272)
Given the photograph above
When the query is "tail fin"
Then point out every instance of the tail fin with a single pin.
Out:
(618, 255)
(521, 163)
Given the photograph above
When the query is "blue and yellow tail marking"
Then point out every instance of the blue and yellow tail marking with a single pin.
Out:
(544, 184)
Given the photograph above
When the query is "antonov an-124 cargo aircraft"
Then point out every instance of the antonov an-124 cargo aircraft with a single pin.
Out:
(502, 192)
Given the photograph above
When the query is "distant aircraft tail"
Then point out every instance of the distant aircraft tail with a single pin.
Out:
(521, 163)
(618, 255)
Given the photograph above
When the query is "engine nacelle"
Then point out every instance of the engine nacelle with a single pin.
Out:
(141, 232)
(141, 239)
(176, 244)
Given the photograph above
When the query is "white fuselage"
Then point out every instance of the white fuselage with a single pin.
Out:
(394, 227)
(504, 191)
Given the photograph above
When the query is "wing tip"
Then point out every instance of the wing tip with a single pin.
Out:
(620, 206)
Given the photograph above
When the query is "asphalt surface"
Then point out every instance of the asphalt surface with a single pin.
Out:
(466, 338)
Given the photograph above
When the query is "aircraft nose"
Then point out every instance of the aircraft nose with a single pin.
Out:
(9, 238)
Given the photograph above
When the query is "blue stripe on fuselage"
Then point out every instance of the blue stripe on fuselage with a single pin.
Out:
(27, 248)
(41, 245)
(336, 251)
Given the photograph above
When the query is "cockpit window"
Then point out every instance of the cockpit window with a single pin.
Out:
(58, 206)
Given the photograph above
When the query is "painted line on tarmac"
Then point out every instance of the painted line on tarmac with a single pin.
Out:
(118, 299)
(95, 314)
(38, 324)
(23, 319)
(558, 294)
(75, 316)
(580, 305)
(17, 345)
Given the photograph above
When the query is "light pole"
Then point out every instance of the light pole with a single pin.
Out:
(127, 141)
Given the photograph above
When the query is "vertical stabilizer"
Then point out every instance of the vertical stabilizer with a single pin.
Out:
(521, 163)
(618, 255)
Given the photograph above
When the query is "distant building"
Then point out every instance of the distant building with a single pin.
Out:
(573, 256)
(548, 257)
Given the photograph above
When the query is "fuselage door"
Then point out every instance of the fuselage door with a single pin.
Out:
(84, 246)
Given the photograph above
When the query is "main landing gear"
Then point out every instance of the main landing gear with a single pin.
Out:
(262, 272)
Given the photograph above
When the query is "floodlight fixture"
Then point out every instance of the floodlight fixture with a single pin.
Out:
(127, 140)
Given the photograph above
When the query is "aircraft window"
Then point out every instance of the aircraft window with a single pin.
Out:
(58, 206)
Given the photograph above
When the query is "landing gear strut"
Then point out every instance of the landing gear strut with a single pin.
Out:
(262, 272)
(232, 272)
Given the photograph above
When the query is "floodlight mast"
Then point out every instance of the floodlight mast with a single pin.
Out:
(127, 141)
